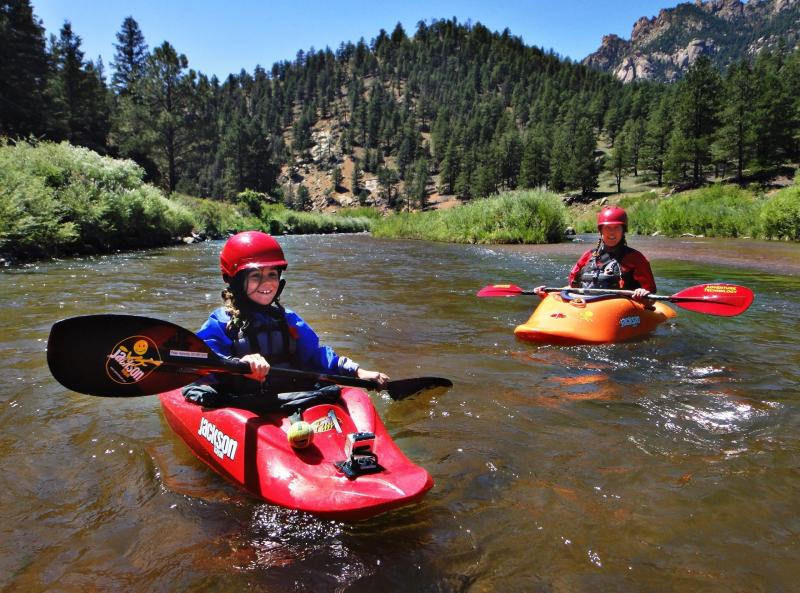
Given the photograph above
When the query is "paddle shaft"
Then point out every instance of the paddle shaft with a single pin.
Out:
(622, 293)
(629, 293)
(237, 367)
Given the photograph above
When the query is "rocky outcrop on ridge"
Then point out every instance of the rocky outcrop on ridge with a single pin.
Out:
(664, 47)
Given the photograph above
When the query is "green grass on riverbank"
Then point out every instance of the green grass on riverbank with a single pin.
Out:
(516, 217)
(218, 219)
(714, 211)
(59, 199)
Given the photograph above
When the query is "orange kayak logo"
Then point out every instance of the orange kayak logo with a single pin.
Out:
(132, 360)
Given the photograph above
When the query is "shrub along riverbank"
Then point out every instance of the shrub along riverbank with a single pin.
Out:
(532, 216)
(538, 217)
(715, 211)
(59, 199)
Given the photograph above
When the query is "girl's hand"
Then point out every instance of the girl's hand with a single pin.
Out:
(539, 290)
(640, 294)
(259, 367)
(381, 378)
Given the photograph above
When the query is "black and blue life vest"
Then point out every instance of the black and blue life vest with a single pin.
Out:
(267, 333)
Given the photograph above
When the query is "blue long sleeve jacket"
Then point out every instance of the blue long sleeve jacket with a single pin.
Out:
(311, 355)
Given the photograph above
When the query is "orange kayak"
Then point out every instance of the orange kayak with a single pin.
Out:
(566, 319)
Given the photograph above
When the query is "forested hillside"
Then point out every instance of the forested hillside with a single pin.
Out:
(452, 108)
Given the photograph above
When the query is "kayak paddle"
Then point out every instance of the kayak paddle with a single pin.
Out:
(726, 300)
(114, 355)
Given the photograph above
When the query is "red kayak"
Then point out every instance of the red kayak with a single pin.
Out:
(331, 477)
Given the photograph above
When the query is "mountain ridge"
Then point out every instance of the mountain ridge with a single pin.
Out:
(663, 47)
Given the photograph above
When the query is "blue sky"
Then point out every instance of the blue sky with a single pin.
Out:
(222, 37)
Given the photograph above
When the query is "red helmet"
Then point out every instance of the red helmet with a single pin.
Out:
(251, 249)
(612, 215)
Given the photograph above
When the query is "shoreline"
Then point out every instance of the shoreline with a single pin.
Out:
(738, 253)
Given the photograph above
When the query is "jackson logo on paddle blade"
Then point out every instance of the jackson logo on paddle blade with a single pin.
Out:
(132, 360)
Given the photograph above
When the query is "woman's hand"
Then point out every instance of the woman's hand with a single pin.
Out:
(640, 294)
(259, 367)
(539, 290)
(380, 378)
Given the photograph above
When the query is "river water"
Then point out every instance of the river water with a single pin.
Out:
(668, 464)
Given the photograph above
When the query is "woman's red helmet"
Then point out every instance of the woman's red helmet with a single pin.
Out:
(250, 249)
(612, 215)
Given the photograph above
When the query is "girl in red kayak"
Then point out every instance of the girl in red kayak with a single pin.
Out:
(254, 327)
(612, 264)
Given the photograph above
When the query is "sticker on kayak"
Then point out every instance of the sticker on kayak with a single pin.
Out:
(587, 315)
(132, 360)
(632, 321)
(224, 446)
(325, 423)
(187, 354)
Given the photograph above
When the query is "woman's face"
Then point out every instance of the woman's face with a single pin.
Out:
(611, 234)
(261, 284)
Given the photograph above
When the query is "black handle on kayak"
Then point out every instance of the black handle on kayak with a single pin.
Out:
(114, 355)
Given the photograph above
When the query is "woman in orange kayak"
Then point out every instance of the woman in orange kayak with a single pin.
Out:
(612, 264)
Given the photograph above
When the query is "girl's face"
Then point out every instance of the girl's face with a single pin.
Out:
(261, 284)
(611, 234)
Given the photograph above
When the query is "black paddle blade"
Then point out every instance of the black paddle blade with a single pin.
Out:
(403, 388)
(125, 355)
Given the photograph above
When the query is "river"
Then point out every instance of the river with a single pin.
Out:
(667, 464)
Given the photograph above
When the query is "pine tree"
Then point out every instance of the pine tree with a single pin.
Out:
(736, 136)
(355, 178)
(697, 105)
(585, 166)
(508, 153)
(561, 159)
(656, 140)
(387, 183)
(464, 181)
(336, 178)
(130, 57)
(773, 110)
(77, 93)
(634, 131)
(619, 161)
(417, 187)
(303, 198)
(449, 168)
(23, 71)
(167, 91)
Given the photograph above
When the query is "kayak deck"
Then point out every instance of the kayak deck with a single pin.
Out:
(566, 319)
(252, 450)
